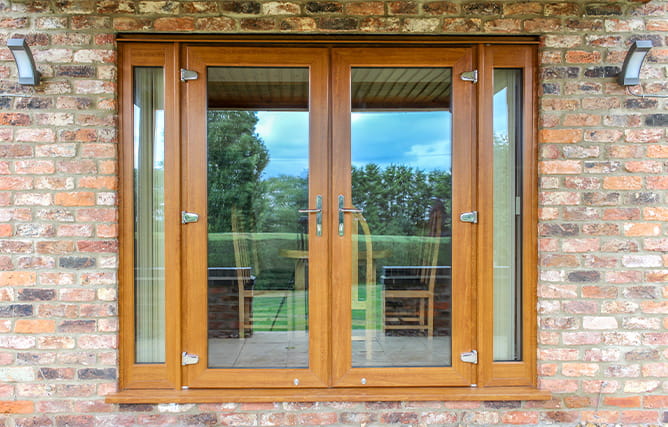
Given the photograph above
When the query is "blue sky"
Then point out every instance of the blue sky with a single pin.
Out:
(418, 139)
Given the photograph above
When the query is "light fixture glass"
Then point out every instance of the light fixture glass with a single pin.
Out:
(630, 74)
(28, 74)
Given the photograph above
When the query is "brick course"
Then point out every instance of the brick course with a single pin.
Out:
(603, 268)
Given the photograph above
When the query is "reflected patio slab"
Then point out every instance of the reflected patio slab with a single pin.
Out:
(290, 350)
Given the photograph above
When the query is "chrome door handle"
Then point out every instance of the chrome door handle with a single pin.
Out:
(318, 214)
(343, 210)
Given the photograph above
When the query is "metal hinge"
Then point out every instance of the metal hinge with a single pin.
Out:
(188, 217)
(188, 75)
(469, 357)
(471, 217)
(470, 76)
(189, 359)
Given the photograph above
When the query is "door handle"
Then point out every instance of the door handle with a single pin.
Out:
(343, 210)
(318, 214)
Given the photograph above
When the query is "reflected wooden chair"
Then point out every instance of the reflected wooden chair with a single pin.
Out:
(409, 290)
(247, 262)
(368, 304)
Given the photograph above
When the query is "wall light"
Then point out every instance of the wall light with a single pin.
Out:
(28, 74)
(630, 74)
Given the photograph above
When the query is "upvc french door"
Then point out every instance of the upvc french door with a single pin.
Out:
(322, 192)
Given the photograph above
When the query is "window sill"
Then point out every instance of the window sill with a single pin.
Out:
(328, 395)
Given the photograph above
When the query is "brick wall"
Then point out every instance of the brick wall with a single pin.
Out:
(603, 291)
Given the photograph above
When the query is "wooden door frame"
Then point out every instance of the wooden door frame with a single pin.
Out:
(459, 60)
(497, 380)
(198, 58)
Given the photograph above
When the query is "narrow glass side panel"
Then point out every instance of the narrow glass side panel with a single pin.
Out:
(401, 136)
(258, 253)
(507, 215)
(149, 213)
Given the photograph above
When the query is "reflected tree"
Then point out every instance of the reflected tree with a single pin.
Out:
(397, 200)
(236, 158)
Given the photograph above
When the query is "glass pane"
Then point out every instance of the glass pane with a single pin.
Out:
(149, 205)
(507, 215)
(401, 178)
(257, 124)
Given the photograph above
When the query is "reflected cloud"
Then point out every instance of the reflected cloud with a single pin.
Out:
(285, 134)
(420, 139)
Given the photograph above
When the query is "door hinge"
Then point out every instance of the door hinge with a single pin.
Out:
(471, 217)
(188, 217)
(469, 357)
(189, 359)
(470, 76)
(188, 75)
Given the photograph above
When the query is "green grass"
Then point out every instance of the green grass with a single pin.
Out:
(272, 271)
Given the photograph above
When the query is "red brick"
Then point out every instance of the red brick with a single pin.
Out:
(645, 166)
(643, 135)
(560, 136)
(17, 407)
(219, 24)
(17, 278)
(558, 386)
(582, 57)
(34, 326)
(659, 402)
(14, 119)
(622, 183)
(80, 198)
(365, 8)
(174, 24)
(577, 401)
(581, 245)
(636, 417)
(657, 182)
(560, 167)
(581, 119)
(642, 229)
(657, 151)
(35, 135)
(520, 417)
(34, 167)
(98, 182)
(15, 183)
(98, 151)
(655, 213)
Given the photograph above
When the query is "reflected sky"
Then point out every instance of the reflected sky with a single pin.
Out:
(417, 139)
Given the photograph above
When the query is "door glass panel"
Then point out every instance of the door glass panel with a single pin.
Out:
(507, 215)
(149, 207)
(401, 149)
(257, 124)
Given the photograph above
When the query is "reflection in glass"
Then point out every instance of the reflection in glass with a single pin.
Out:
(507, 215)
(149, 207)
(401, 178)
(257, 239)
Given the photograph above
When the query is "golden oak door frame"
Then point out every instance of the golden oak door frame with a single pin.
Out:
(200, 375)
(330, 175)
(463, 166)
